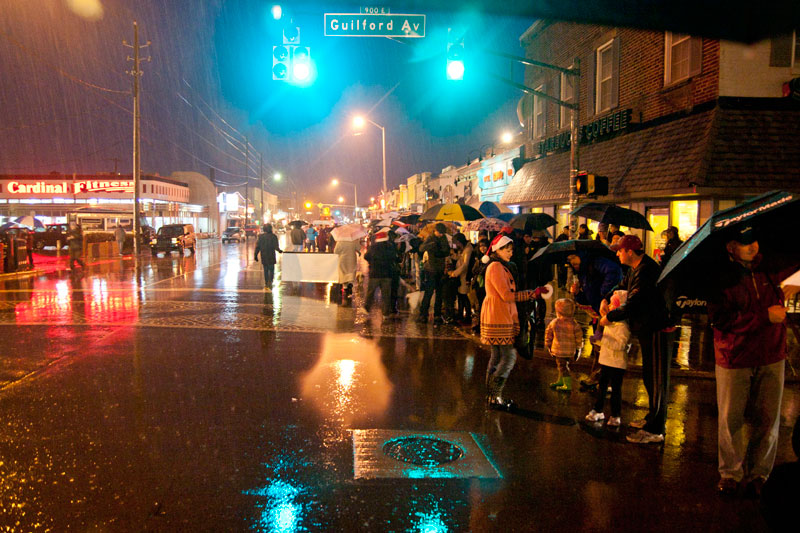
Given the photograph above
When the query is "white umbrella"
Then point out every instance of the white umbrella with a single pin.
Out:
(348, 232)
(29, 222)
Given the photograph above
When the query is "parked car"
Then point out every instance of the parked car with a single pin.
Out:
(233, 234)
(50, 235)
(174, 237)
(251, 230)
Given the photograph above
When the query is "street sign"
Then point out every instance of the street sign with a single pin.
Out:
(367, 25)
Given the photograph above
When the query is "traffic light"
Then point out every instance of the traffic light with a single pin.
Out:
(301, 63)
(281, 60)
(455, 56)
(308, 205)
(591, 184)
(291, 34)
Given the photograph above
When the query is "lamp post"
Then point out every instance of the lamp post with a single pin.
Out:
(358, 124)
(336, 181)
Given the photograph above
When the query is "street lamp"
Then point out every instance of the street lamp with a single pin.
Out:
(358, 124)
(336, 181)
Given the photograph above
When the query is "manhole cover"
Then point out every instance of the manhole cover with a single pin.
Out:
(423, 451)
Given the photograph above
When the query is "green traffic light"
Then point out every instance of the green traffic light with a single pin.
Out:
(455, 69)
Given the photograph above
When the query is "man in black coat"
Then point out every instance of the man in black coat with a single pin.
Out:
(267, 245)
(382, 259)
(437, 250)
(646, 313)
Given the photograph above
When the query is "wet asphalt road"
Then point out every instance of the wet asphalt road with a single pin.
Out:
(180, 397)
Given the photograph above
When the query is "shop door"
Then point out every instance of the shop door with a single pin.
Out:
(658, 217)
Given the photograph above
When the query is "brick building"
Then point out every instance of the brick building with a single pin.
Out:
(682, 126)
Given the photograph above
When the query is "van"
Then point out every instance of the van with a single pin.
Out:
(171, 237)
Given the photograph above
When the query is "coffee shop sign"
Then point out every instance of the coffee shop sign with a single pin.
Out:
(593, 131)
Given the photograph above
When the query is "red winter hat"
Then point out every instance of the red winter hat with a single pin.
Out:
(382, 236)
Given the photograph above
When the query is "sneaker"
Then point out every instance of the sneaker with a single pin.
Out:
(645, 437)
(638, 424)
(727, 486)
(267, 289)
(614, 421)
(594, 416)
(498, 402)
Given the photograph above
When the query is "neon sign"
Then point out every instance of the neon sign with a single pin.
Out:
(77, 187)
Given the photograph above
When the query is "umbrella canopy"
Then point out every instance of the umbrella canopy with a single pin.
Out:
(693, 268)
(492, 209)
(452, 229)
(612, 214)
(29, 222)
(348, 232)
(528, 222)
(456, 212)
(410, 218)
(298, 223)
(486, 224)
(557, 252)
(505, 217)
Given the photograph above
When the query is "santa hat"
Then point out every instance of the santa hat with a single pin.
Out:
(498, 242)
(382, 236)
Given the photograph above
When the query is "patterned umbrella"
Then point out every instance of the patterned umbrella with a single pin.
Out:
(486, 224)
(29, 222)
(455, 212)
(452, 229)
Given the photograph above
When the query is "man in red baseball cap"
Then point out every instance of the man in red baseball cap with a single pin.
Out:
(646, 313)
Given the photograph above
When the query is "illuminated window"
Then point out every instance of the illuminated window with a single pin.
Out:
(684, 217)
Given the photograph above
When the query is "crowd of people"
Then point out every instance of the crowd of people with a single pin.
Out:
(493, 285)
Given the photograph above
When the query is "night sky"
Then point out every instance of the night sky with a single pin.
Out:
(65, 101)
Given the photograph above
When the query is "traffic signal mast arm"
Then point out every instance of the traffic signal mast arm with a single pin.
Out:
(574, 71)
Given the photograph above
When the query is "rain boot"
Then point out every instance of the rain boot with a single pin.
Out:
(566, 386)
(558, 383)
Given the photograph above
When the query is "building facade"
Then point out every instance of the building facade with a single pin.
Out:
(682, 126)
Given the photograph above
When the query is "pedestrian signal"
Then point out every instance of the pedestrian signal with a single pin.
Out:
(591, 184)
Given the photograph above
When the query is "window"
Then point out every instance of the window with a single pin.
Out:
(606, 76)
(682, 57)
(538, 114)
(567, 94)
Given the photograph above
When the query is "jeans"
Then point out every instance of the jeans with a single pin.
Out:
(385, 286)
(432, 282)
(269, 273)
(763, 387)
(609, 374)
(501, 362)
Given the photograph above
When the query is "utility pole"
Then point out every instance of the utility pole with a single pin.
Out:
(261, 179)
(574, 141)
(246, 182)
(136, 73)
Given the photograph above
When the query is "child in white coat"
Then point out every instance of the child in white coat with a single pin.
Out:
(613, 362)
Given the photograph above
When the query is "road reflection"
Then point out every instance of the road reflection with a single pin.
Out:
(348, 384)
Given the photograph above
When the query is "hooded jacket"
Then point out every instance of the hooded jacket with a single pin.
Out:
(438, 250)
(598, 276)
(743, 335)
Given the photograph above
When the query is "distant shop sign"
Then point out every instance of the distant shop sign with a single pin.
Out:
(374, 25)
(591, 132)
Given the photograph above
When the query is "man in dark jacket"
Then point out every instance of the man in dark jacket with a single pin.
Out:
(75, 243)
(596, 278)
(267, 245)
(437, 250)
(749, 323)
(646, 313)
(382, 259)
(298, 237)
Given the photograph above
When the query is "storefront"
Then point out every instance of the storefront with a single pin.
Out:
(676, 171)
(51, 197)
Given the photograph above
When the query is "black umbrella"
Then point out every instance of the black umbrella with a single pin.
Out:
(528, 222)
(298, 223)
(557, 252)
(612, 214)
(412, 218)
(690, 272)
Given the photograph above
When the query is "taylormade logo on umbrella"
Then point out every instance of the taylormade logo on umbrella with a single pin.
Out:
(765, 207)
